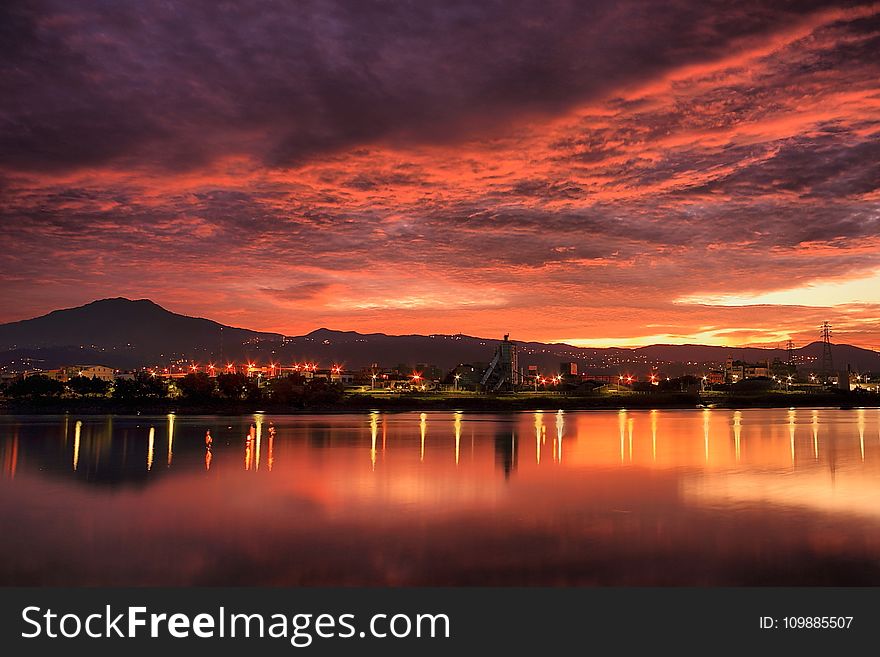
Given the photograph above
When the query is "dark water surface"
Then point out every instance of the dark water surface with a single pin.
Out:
(669, 497)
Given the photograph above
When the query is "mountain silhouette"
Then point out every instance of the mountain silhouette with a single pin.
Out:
(126, 333)
(122, 333)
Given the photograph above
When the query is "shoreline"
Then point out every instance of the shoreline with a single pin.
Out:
(468, 403)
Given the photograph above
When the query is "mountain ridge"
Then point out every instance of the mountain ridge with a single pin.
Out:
(128, 333)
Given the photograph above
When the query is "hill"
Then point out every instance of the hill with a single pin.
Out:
(124, 333)
(121, 333)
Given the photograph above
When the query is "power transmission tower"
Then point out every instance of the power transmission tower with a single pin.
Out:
(790, 347)
(827, 363)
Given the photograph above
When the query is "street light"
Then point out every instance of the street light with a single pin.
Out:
(373, 384)
(457, 377)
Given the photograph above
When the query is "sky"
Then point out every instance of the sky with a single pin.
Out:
(599, 173)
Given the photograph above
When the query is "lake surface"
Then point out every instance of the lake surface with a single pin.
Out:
(671, 497)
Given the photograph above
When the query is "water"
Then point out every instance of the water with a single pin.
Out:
(672, 497)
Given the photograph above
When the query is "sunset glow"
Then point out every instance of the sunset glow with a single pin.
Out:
(595, 173)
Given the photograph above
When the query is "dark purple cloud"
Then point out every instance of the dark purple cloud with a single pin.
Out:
(174, 84)
(359, 164)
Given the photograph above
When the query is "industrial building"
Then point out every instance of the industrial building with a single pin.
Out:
(737, 370)
(503, 371)
(64, 374)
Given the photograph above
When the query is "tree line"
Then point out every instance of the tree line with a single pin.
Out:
(196, 387)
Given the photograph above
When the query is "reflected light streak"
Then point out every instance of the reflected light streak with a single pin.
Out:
(861, 421)
(629, 426)
(737, 433)
(271, 460)
(208, 458)
(170, 435)
(654, 435)
(457, 424)
(76, 436)
(10, 460)
(374, 433)
(621, 421)
(248, 447)
(791, 423)
(706, 433)
(816, 435)
(560, 429)
(258, 420)
(150, 445)
(539, 426)
(423, 429)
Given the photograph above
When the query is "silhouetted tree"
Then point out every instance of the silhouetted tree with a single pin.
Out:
(35, 386)
(142, 386)
(197, 386)
(237, 386)
(321, 391)
(287, 390)
(679, 383)
(82, 385)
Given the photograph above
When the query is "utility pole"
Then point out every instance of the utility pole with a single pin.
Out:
(827, 363)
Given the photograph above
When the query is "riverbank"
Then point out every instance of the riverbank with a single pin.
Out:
(359, 403)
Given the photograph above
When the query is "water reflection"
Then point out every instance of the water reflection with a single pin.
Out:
(539, 434)
(150, 444)
(861, 416)
(457, 426)
(106, 446)
(170, 437)
(271, 459)
(706, 416)
(374, 432)
(737, 433)
(9, 452)
(506, 452)
(735, 492)
(423, 429)
(76, 438)
(560, 429)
